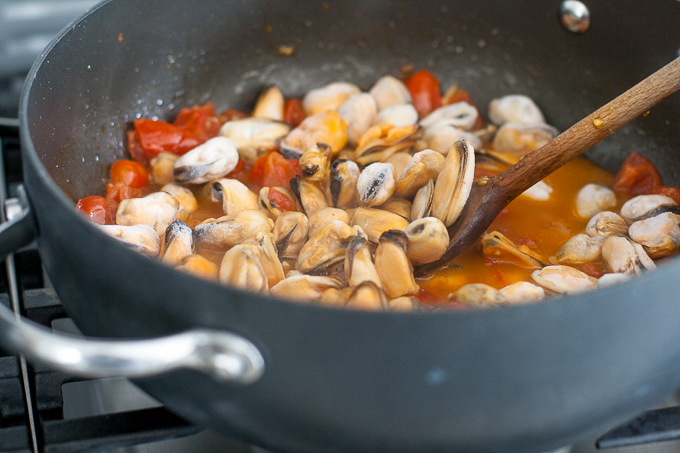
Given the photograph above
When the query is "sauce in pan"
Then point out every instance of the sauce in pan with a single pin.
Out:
(334, 198)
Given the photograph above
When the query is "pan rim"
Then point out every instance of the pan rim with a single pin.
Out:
(666, 271)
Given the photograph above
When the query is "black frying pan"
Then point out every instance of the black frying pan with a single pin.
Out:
(519, 378)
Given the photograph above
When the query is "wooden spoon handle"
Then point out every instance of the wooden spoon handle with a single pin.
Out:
(590, 130)
(488, 198)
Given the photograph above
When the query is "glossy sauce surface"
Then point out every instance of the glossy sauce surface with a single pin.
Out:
(543, 226)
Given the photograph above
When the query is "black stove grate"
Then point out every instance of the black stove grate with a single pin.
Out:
(38, 303)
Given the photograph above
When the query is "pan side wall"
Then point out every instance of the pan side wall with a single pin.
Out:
(526, 378)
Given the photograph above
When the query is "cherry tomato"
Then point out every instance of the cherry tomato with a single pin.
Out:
(129, 173)
(424, 89)
(293, 113)
(275, 170)
(280, 200)
(95, 208)
(669, 191)
(637, 175)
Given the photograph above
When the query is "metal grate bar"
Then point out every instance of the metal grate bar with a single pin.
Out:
(10, 266)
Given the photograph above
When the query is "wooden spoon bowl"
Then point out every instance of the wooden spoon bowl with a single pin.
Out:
(489, 197)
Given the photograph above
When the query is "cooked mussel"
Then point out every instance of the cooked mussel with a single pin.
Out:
(211, 160)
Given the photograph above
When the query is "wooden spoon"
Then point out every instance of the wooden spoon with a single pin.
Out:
(490, 196)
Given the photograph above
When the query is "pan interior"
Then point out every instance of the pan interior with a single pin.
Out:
(113, 66)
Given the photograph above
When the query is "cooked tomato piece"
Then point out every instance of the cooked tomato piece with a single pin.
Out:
(195, 114)
(115, 193)
(669, 191)
(192, 127)
(454, 95)
(199, 124)
(280, 200)
(275, 170)
(426, 297)
(293, 113)
(95, 208)
(231, 114)
(637, 175)
(135, 148)
(157, 136)
(424, 89)
(129, 173)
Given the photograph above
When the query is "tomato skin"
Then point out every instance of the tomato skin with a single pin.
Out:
(199, 124)
(135, 148)
(424, 89)
(230, 115)
(637, 175)
(158, 136)
(115, 193)
(95, 209)
(129, 173)
(293, 113)
(280, 200)
(669, 191)
(192, 127)
(274, 170)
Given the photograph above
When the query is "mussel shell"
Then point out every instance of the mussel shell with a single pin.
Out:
(227, 231)
(646, 206)
(290, 233)
(141, 238)
(515, 108)
(210, 160)
(178, 243)
(376, 184)
(343, 183)
(157, 210)
(454, 183)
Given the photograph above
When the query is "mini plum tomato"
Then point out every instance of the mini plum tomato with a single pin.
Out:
(637, 175)
(275, 170)
(293, 113)
(424, 89)
(95, 208)
(129, 173)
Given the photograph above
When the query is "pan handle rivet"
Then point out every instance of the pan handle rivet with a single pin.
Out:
(598, 123)
(575, 16)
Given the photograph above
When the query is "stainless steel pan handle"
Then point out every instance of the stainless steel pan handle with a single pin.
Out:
(222, 355)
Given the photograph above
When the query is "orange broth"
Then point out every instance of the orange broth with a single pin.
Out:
(543, 226)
